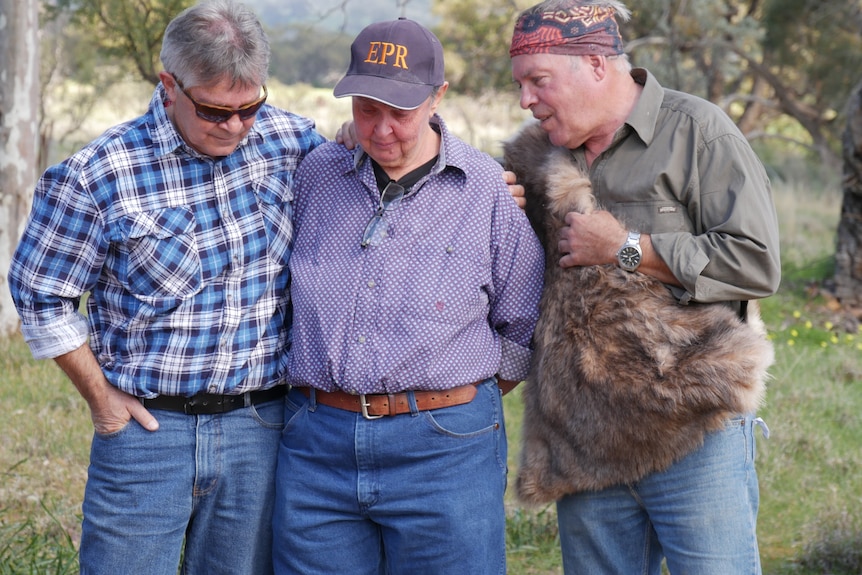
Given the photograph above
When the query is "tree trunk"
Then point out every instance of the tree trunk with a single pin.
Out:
(19, 133)
(848, 253)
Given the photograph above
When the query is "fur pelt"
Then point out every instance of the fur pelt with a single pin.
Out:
(625, 380)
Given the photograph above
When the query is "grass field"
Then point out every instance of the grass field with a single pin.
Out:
(811, 496)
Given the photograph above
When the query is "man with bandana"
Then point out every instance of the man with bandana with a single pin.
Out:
(687, 201)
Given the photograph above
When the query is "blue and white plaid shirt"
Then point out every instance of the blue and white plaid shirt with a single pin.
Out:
(184, 256)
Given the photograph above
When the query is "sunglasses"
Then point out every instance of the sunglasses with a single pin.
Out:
(219, 114)
(377, 228)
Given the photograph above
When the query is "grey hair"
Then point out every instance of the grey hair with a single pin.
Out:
(620, 9)
(216, 40)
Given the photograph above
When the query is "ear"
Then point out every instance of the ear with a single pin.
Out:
(439, 97)
(170, 84)
(598, 65)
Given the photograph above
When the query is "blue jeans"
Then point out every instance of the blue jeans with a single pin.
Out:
(418, 493)
(206, 480)
(700, 514)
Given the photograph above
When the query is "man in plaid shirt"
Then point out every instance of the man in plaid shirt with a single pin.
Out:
(177, 224)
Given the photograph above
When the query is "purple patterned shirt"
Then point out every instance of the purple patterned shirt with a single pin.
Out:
(449, 297)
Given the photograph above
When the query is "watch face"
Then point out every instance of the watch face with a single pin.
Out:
(629, 257)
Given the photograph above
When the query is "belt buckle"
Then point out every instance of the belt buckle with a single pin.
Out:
(364, 405)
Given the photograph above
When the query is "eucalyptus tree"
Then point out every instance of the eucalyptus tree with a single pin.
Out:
(848, 253)
(19, 94)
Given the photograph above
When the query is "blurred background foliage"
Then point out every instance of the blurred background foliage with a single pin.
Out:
(782, 69)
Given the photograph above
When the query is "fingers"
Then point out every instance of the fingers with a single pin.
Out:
(143, 416)
(565, 247)
(516, 190)
(114, 415)
(346, 135)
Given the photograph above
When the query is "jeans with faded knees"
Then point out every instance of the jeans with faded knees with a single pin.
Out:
(417, 493)
(700, 514)
(207, 480)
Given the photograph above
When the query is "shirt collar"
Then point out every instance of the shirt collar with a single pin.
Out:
(643, 117)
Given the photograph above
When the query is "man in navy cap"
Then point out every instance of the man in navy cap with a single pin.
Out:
(415, 289)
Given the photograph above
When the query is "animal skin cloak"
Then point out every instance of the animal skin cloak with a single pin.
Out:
(625, 381)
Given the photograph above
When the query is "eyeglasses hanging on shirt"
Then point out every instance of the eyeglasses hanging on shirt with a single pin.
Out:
(378, 228)
(393, 192)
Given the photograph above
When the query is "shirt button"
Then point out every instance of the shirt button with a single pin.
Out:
(371, 283)
(449, 249)
(361, 339)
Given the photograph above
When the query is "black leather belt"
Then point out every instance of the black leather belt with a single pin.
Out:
(210, 403)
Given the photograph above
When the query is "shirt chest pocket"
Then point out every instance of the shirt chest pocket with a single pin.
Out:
(448, 284)
(158, 256)
(654, 217)
(274, 195)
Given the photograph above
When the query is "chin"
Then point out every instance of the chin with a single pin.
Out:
(557, 139)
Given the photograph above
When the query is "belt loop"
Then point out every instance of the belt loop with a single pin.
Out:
(246, 399)
(411, 401)
(763, 427)
(312, 399)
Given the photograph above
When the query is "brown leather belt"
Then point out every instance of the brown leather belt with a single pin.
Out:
(372, 406)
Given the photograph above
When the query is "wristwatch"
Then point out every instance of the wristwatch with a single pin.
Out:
(629, 255)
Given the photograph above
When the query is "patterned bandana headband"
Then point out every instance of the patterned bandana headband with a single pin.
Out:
(576, 31)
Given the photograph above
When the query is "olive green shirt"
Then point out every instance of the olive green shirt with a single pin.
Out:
(680, 170)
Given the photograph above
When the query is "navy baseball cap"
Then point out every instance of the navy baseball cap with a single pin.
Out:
(398, 62)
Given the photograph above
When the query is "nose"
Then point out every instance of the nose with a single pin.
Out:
(233, 124)
(382, 127)
(527, 98)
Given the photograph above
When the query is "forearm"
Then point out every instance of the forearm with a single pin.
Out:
(653, 265)
(82, 369)
(110, 408)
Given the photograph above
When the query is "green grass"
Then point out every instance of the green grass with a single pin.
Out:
(810, 520)
(44, 442)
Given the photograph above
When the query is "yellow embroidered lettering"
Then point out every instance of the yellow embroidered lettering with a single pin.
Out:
(378, 52)
(388, 50)
(373, 49)
(401, 57)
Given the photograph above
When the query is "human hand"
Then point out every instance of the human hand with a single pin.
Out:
(113, 409)
(590, 239)
(515, 189)
(346, 135)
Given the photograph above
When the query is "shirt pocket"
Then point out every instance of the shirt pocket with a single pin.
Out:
(654, 216)
(448, 284)
(158, 255)
(274, 196)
